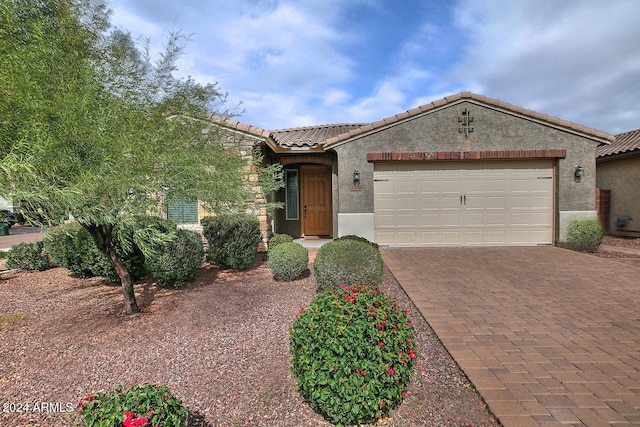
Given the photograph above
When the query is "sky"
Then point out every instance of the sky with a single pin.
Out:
(292, 63)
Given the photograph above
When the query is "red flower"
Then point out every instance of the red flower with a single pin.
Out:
(335, 368)
(412, 355)
(380, 343)
(404, 394)
(382, 404)
(345, 287)
(406, 311)
(373, 310)
(134, 422)
(390, 371)
(165, 398)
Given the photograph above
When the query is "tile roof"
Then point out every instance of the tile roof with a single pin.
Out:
(624, 143)
(480, 99)
(242, 127)
(310, 136)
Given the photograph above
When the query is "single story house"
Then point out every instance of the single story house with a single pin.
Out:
(465, 170)
(618, 182)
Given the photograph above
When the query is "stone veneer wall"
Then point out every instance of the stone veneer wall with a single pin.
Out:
(256, 204)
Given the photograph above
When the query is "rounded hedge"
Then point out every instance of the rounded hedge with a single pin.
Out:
(584, 235)
(233, 239)
(354, 354)
(348, 261)
(179, 261)
(28, 256)
(278, 239)
(288, 261)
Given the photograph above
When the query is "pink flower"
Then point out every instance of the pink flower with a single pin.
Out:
(412, 355)
(345, 287)
(390, 371)
(404, 394)
(406, 311)
(335, 368)
(380, 343)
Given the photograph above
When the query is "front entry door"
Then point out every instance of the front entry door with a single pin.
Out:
(316, 201)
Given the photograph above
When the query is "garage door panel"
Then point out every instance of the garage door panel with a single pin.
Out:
(424, 204)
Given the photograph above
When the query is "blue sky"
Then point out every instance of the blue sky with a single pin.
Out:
(309, 62)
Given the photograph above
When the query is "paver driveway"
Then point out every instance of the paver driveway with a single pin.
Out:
(548, 336)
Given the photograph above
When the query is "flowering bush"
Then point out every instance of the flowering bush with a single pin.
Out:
(354, 353)
(135, 405)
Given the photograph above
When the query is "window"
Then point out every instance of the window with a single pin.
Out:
(182, 211)
(291, 194)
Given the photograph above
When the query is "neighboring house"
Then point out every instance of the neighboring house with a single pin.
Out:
(465, 170)
(618, 181)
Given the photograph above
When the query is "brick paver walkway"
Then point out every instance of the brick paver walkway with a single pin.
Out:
(547, 336)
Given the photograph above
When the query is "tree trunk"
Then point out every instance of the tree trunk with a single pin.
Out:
(103, 236)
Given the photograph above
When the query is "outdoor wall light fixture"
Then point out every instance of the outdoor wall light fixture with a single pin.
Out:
(579, 171)
(356, 177)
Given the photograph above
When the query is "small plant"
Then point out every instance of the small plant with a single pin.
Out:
(233, 239)
(179, 261)
(278, 239)
(288, 261)
(348, 261)
(135, 405)
(354, 353)
(28, 256)
(584, 235)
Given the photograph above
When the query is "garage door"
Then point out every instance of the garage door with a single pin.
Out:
(492, 203)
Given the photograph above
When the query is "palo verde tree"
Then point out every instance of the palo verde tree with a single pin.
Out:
(91, 127)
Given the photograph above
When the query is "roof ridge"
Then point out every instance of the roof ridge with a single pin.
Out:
(328, 125)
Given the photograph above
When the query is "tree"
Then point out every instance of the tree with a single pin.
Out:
(92, 127)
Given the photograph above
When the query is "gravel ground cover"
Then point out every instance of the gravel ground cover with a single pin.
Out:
(221, 345)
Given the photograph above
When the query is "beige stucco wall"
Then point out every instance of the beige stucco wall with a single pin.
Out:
(622, 177)
(493, 131)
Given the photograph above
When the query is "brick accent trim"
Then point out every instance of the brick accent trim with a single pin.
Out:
(305, 158)
(466, 155)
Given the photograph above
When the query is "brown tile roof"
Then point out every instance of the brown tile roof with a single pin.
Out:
(242, 127)
(624, 143)
(480, 99)
(310, 136)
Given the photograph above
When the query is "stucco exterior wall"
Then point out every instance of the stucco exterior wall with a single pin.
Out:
(622, 177)
(493, 130)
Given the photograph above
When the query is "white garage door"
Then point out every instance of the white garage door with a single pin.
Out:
(493, 203)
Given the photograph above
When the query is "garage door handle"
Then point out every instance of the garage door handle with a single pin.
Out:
(305, 211)
(460, 199)
(465, 199)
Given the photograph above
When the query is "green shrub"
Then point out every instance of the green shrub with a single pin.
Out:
(354, 353)
(278, 239)
(288, 261)
(233, 239)
(348, 261)
(28, 256)
(132, 406)
(179, 261)
(358, 238)
(584, 234)
(72, 247)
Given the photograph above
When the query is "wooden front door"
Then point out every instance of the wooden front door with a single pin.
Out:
(317, 213)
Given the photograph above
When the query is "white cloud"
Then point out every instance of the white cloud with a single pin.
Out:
(572, 59)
